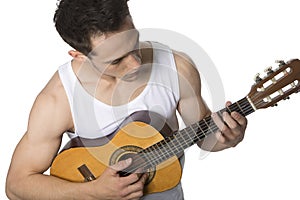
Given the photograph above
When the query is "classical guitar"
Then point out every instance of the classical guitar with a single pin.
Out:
(148, 140)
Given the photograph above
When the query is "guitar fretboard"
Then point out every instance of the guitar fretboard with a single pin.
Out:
(182, 139)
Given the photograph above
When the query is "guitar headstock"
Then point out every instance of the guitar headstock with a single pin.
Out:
(277, 85)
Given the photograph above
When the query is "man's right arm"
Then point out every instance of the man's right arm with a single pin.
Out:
(36, 150)
(49, 118)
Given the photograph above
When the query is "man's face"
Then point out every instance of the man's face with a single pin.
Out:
(117, 54)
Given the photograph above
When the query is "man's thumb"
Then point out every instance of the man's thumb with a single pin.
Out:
(123, 164)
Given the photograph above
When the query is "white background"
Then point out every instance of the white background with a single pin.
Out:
(241, 37)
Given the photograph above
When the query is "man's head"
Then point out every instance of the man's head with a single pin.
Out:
(77, 21)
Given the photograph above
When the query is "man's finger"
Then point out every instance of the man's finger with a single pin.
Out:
(123, 164)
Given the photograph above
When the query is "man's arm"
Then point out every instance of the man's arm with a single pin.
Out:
(49, 118)
(39, 145)
(193, 108)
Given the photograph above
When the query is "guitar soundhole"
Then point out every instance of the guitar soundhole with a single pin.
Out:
(130, 151)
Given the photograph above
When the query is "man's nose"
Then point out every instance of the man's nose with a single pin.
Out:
(134, 60)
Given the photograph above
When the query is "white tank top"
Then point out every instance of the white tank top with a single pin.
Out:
(94, 119)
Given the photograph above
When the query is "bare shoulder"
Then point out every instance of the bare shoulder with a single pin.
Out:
(51, 108)
(191, 106)
(187, 71)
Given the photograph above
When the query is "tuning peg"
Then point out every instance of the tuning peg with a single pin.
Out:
(269, 70)
(280, 62)
(275, 105)
(293, 85)
(281, 92)
(257, 78)
(286, 98)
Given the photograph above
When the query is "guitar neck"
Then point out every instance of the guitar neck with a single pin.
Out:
(277, 85)
(182, 139)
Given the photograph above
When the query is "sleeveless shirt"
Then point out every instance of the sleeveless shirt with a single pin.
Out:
(94, 119)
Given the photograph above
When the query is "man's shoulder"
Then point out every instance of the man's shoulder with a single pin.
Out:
(185, 64)
(54, 87)
(52, 105)
(53, 94)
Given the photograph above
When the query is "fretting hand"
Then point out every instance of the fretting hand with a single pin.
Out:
(231, 128)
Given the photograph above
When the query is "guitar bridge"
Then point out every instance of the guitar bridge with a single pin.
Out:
(86, 173)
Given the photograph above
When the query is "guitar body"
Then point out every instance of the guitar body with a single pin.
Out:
(98, 154)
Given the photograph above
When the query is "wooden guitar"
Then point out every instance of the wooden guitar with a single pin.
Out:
(148, 140)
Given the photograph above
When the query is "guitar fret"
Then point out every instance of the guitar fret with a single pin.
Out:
(233, 107)
(249, 109)
(158, 153)
(185, 144)
(245, 107)
(196, 137)
(170, 150)
(164, 149)
(152, 155)
(196, 132)
(246, 103)
(200, 129)
(228, 109)
(190, 135)
(202, 135)
(240, 108)
(209, 127)
(184, 141)
(160, 158)
(176, 141)
(173, 144)
(205, 132)
(176, 150)
(220, 113)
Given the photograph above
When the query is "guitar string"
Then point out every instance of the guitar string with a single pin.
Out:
(239, 104)
(248, 110)
(154, 159)
(158, 159)
(189, 142)
(166, 151)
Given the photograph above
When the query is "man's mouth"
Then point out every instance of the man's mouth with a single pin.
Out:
(131, 75)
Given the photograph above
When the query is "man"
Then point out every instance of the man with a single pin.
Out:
(112, 75)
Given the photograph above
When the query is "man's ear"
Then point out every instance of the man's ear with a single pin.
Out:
(77, 55)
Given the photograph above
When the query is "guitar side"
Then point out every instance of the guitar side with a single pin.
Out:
(127, 140)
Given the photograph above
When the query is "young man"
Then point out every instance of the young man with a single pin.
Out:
(112, 75)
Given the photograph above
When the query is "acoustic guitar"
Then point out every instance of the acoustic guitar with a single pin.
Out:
(147, 139)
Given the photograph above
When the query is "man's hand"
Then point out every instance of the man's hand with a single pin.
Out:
(111, 186)
(231, 128)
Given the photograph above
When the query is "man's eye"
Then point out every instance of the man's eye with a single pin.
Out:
(116, 61)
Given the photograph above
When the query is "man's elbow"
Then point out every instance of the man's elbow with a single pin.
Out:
(11, 188)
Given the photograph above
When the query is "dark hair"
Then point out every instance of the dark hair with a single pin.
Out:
(78, 20)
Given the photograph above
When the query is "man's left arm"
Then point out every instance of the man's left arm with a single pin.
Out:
(193, 108)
